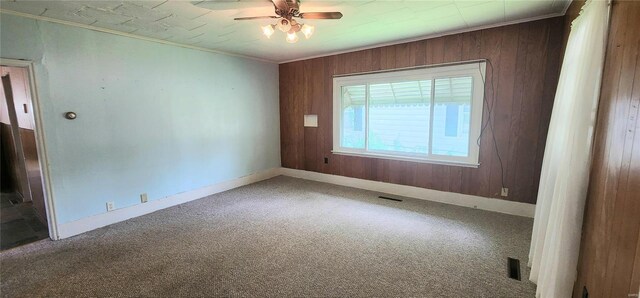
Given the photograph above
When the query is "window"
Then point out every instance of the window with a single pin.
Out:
(429, 115)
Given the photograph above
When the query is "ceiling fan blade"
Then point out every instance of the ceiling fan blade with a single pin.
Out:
(320, 15)
(255, 18)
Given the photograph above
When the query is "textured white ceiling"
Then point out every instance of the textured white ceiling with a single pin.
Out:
(364, 24)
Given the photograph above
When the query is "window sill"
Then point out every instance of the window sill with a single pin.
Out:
(407, 158)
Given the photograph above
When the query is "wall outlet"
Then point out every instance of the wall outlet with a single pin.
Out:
(144, 198)
(505, 192)
(110, 206)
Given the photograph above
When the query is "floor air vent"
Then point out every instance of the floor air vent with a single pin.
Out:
(390, 199)
(514, 268)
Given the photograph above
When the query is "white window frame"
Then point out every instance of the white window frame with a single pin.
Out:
(475, 69)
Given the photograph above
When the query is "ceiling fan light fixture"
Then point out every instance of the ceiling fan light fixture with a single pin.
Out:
(284, 25)
(292, 37)
(307, 30)
(287, 13)
(268, 30)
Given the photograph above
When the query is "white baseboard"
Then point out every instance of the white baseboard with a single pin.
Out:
(97, 221)
(489, 204)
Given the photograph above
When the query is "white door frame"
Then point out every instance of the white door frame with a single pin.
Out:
(40, 144)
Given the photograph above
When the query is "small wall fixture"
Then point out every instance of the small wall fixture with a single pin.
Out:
(310, 120)
(70, 115)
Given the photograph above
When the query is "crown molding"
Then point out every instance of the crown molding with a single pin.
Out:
(430, 36)
(377, 45)
(140, 37)
(566, 7)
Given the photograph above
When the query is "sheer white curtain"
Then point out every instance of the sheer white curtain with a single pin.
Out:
(557, 226)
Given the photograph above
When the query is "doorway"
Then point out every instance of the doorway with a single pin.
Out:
(22, 194)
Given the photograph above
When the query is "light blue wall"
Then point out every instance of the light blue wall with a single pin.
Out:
(152, 118)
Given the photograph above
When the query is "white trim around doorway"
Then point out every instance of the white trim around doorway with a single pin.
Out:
(40, 143)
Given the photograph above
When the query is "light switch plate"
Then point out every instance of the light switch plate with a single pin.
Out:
(310, 120)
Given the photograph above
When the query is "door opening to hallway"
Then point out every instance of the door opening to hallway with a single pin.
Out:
(22, 198)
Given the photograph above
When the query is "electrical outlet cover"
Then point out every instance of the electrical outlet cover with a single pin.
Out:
(110, 206)
(144, 198)
(505, 192)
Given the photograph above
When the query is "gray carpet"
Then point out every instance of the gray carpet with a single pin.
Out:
(283, 237)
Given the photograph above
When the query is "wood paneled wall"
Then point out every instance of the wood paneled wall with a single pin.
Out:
(609, 263)
(526, 60)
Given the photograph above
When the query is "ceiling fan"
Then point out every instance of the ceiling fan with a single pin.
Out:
(286, 11)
